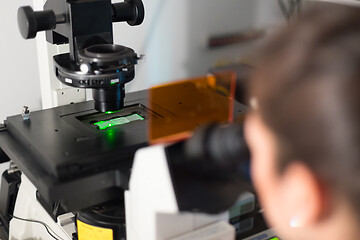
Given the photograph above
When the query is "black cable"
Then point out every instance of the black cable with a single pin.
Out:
(48, 229)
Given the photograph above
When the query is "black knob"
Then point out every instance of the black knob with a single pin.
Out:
(131, 11)
(31, 22)
(221, 145)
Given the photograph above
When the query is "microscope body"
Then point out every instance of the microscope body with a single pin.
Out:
(81, 25)
(70, 165)
(153, 209)
(72, 168)
(93, 60)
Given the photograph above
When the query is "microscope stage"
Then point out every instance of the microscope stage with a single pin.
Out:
(68, 156)
(79, 157)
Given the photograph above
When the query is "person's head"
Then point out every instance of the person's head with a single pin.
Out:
(304, 130)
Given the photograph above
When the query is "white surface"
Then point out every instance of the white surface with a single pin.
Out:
(151, 207)
(19, 75)
(150, 191)
(268, 14)
(3, 168)
(174, 36)
(67, 223)
(68, 96)
(215, 231)
(28, 207)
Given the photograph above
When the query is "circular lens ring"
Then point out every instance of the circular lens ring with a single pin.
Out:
(106, 53)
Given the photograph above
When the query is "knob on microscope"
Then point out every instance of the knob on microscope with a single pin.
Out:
(223, 146)
(131, 11)
(31, 22)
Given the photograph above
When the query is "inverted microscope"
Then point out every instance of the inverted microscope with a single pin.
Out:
(122, 166)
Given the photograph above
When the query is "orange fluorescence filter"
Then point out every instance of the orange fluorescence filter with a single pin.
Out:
(189, 104)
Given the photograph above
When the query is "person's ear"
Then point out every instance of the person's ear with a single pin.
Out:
(303, 196)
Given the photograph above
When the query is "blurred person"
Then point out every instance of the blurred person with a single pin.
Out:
(304, 130)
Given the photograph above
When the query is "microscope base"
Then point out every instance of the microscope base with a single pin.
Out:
(28, 207)
(152, 211)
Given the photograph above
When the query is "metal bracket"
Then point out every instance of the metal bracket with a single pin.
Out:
(69, 95)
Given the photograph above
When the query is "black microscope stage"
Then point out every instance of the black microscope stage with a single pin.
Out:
(69, 158)
(78, 157)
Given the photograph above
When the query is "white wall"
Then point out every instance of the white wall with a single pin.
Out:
(173, 37)
(19, 83)
(268, 14)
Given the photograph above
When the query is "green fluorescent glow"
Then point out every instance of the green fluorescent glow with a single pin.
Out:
(275, 238)
(111, 112)
(113, 83)
(118, 121)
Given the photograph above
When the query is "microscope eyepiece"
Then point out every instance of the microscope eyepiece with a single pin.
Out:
(223, 146)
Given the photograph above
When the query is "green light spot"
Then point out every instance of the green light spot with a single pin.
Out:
(111, 112)
(118, 121)
(113, 83)
(134, 117)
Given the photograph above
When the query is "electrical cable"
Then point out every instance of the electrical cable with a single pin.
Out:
(48, 229)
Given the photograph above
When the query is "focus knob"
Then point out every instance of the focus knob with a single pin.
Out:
(31, 22)
(138, 12)
(131, 11)
(224, 146)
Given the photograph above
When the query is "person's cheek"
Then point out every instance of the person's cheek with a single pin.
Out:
(262, 148)
(260, 175)
(255, 140)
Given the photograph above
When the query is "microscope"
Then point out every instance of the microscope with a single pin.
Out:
(94, 61)
(100, 169)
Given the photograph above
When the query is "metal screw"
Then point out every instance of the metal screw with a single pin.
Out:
(26, 113)
(13, 168)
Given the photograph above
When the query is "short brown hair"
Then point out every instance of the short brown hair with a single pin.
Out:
(307, 84)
